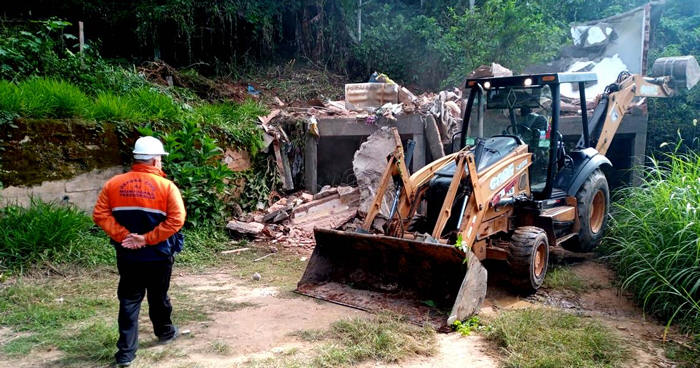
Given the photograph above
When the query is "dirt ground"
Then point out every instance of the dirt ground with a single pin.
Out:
(262, 327)
(264, 330)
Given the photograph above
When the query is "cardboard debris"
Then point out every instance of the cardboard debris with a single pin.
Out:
(362, 96)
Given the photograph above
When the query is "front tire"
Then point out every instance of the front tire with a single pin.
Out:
(593, 201)
(528, 257)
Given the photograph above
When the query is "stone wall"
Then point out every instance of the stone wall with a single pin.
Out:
(81, 190)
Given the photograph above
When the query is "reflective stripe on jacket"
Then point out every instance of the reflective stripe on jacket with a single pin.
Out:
(144, 202)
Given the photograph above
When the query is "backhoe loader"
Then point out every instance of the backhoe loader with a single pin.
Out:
(509, 198)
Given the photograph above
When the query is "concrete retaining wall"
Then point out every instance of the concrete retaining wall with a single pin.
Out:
(80, 191)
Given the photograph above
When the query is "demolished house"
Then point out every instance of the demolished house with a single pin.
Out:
(336, 150)
(608, 47)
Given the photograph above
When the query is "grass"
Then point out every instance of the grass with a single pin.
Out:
(686, 355)
(654, 239)
(563, 278)
(550, 338)
(220, 347)
(50, 98)
(76, 314)
(385, 337)
(48, 232)
(238, 121)
(66, 314)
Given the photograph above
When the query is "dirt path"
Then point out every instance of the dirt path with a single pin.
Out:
(254, 323)
(264, 330)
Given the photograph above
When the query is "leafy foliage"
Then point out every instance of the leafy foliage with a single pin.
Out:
(441, 49)
(195, 165)
(465, 328)
(44, 49)
(22, 52)
(654, 240)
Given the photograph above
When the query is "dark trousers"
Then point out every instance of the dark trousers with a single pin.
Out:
(136, 280)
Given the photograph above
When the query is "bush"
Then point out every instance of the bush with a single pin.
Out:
(49, 232)
(654, 239)
(194, 163)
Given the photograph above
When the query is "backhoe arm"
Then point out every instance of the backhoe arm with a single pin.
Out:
(620, 101)
(676, 72)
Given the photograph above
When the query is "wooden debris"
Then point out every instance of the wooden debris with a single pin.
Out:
(283, 167)
(233, 251)
(328, 212)
(263, 257)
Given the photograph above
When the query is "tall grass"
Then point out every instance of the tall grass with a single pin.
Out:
(239, 121)
(140, 105)
(48, 232)
(654, 239)
(10, 99)
(49, 98)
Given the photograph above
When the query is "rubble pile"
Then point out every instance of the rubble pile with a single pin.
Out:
(290, 220)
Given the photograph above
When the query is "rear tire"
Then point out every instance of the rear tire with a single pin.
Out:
(593, 201)
(528, 257)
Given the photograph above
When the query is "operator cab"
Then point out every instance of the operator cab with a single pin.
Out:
(513, 111)
(525, 108)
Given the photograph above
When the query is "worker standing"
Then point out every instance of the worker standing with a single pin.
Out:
(142, 212)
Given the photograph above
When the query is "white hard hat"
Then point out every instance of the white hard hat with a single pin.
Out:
(147, 148)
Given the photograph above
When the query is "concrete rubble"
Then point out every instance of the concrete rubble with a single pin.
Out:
(368, 168)
(290, 220)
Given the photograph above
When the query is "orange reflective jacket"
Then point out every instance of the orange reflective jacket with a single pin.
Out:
(144, 202)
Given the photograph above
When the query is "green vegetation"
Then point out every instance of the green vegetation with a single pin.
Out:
(550, 338)
(239, 122)
(465, 328)
(654, 240)
(384, 337)
(564, 278)
(453, 41)
(49, 233)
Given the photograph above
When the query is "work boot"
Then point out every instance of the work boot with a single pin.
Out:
(168, 340)
(124, 363)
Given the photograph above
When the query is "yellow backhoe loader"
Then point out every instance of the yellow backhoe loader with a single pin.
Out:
(508, 198)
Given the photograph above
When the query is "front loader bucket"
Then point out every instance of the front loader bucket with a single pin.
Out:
(683, 70)
(373, 272)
